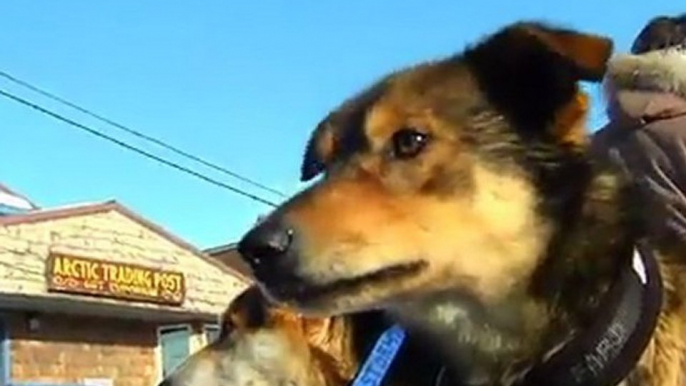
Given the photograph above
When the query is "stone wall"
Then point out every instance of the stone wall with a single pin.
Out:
(109, 232)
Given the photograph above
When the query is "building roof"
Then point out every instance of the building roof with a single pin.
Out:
(228, 255)
(14, 199)
(83, 209)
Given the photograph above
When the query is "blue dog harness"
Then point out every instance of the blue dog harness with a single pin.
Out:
(379, 360)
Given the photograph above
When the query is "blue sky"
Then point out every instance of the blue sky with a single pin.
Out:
(240, 83)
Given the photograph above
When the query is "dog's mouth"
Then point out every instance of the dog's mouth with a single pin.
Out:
(302, 291)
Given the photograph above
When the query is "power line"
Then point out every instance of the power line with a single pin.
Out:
(134, 149)
(138, 134)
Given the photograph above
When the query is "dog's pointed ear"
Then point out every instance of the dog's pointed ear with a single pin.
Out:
(320, 149)
(339, 132)
(586, 54)
(329, 138)
(531, 70)
(247, 311)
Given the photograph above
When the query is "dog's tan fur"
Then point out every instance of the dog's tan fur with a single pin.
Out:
(265, 345)
(500, 236)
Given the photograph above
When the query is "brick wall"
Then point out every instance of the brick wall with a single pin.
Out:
(66, 349)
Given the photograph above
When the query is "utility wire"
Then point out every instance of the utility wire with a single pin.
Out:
(137, 133)
(134, 149)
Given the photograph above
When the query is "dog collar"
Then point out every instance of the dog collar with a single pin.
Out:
(604, 354)
(379, 360)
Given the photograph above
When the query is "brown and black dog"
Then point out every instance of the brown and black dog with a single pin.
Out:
(263, 344)
(458, 195)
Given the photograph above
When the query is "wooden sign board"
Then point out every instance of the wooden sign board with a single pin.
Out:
(79, 275)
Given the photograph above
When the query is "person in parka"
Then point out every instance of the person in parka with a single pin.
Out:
(646, 133)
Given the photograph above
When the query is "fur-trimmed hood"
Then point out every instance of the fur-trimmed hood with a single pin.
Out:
(651, 85)
(657, 71)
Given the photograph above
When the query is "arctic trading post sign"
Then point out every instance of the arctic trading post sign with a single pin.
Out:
(77, 275)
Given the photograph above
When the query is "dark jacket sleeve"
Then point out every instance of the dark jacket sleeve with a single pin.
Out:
(655, 158)
(664, 174)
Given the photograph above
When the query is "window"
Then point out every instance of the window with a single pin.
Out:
(174, 342)
(211, 333)
(4, 355)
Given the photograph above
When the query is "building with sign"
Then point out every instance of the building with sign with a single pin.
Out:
(95, 294)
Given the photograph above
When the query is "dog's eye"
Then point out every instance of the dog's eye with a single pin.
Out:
(408, 143)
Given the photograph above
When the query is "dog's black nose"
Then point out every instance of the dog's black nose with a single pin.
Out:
(265, 243)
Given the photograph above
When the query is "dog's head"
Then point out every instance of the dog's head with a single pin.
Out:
(261, 344)
(447, 174)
